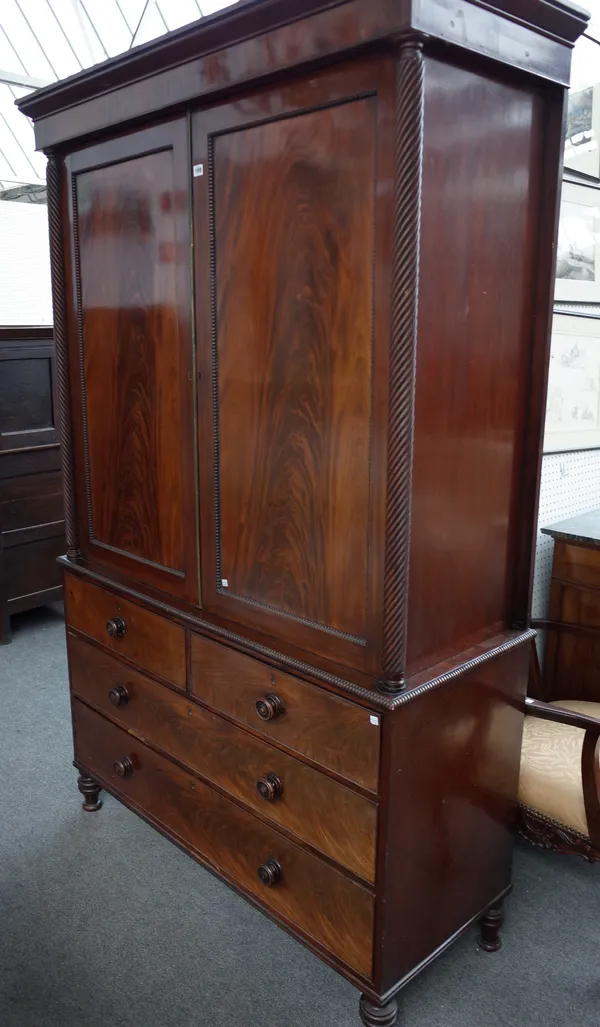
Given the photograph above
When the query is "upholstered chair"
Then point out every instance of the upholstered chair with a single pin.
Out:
(559, 788)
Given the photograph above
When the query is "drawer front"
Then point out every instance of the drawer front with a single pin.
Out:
(576, 564)
(334, 733)
(33, 499)
(153, 642)
(294, 795)
(32, 567)
(311, 895)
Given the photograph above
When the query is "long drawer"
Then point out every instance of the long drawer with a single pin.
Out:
(334, 733)
(152, 641)
(264, 778)
(295, 885)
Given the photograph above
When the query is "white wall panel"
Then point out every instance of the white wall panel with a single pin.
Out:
(25, 293)
(570, 485)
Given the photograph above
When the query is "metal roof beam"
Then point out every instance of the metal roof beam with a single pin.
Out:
(26, 192)
(18, 78)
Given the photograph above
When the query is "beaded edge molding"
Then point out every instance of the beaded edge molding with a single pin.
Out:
(57, 264)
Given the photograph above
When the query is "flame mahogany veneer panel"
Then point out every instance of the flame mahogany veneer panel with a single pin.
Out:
(294, 298)
(292, 222)
(132, 300)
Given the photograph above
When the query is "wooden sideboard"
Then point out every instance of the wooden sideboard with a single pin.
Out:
(302, 259)
(32, 533)
(571, 668)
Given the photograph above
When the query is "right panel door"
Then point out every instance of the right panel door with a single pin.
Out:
(291, 233)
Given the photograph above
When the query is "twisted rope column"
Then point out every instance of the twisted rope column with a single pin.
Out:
(405, 291)
(53, 182)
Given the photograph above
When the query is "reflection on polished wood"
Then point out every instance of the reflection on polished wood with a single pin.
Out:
(308, 258)
(294, 361)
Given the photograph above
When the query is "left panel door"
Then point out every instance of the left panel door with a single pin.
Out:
(132, 361)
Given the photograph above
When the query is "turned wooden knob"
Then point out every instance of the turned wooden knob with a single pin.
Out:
(119, 696)
(270, 872)
(269, 787)
(116, 627)
(269, 707)
(124, 767)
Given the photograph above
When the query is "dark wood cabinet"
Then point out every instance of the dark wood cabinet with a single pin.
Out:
(32, 531)
(302, 269)
(570, 667)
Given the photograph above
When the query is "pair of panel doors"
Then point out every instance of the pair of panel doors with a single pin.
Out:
(230, 299)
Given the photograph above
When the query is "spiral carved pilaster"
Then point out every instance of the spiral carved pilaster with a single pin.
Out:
(53, 181)
(405, 290)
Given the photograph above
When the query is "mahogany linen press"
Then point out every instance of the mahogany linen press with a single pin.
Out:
(302, 264)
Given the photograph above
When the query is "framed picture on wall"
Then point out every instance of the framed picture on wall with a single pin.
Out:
(582, 144)
(578, 252)
(573, 406)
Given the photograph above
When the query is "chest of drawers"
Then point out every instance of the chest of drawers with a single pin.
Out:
(571, 656)
(302, 260)
(205, 766)
(32, 530)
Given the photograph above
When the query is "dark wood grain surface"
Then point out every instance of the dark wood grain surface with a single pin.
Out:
(333, 733)
(152, 642)
(474, 335)
(31, 499)
(576, 564)
(231, 758)
(447, 854)
(343, 681)
(132, 299)
(32, 530)
(294, 361)
(30, 566)
(28, 412)
(321, 901)
(270, 433)
(131, 356)
(571, 658)
(292, 330)
(25, 395)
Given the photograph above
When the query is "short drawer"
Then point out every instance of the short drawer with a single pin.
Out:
(278, 786)
(576, 564)
(336, 734)
(304, 891)
(146, 638)
(31, 499)
(32, 567)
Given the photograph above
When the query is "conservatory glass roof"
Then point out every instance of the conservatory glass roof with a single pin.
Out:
(45, 40)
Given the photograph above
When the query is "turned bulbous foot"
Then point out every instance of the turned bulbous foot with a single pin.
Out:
(378, 1016)
(489, 929)
(90, 790)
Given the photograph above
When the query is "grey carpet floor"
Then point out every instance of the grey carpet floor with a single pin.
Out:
(103, 922)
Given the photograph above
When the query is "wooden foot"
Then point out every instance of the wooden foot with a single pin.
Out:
(489, 937)
(378, 1016)
(90, 790)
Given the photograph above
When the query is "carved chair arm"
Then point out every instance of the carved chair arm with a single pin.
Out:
(545, 711)
(590, 775)
(543, 624)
